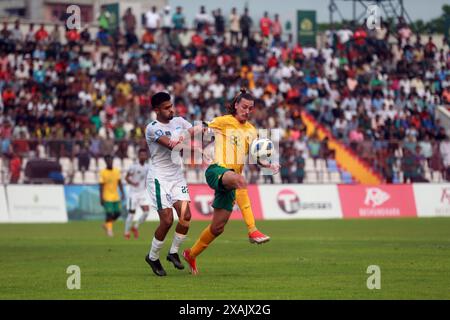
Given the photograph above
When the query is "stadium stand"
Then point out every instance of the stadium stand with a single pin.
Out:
(74, 96)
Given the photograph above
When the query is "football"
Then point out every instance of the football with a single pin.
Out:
(261, 148)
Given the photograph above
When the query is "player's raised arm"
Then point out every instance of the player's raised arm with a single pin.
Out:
(189, 132)
(156, 134)
(168, 143)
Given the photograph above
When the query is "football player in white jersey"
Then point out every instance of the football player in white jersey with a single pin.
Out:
(137, 196)
(165, 180)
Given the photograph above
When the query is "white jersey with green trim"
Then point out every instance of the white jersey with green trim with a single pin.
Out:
(162, 163)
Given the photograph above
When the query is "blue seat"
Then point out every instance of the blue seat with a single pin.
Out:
(346, 177)
(332, 166)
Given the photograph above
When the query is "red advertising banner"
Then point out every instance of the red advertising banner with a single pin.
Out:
(202, 197)
(380, 201)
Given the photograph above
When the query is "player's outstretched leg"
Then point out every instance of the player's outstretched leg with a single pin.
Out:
(243, 201)
(182, 228)
(211, 232)
(191, 261)
(224, 182)
(165, 222)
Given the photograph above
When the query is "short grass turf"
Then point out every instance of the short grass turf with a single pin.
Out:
(305, 259)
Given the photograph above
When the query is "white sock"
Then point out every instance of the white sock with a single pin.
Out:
(142, 219)
(129, 222)
(178, 239)
(156, 248)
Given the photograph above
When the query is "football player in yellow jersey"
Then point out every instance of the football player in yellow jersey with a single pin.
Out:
(109, 195)
(233, 137)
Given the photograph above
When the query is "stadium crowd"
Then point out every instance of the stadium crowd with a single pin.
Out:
(70, 93)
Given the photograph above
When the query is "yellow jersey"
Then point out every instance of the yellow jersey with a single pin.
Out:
(232, 141)
(110, 180)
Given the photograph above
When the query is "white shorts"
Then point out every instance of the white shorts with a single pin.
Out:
(163, 193)
(136, 200)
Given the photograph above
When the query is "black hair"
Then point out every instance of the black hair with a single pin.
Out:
(108, 157)
(243, 94)
(158, 98)
(142, 150)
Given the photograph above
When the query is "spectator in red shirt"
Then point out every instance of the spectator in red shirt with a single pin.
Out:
(21, 146)
(415, 121)
(360, 36)
(265, 24)
(293, 94)
(9, 98)
(5, 74)
(144, 101)
(41, 35)
(200, 60)
(72, 36)
(15, 165)
(430, 49)
(197, 40)
(297, 53)
(8, 95)
(148, 39)
(272, 62)
(181, 108)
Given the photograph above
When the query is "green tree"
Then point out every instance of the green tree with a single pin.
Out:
(437, 25)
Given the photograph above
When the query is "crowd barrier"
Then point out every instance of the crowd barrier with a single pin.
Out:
(57, 203)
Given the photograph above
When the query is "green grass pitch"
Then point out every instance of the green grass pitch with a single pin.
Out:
(305, 259)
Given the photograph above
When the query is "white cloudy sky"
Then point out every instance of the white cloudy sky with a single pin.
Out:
(417, 9)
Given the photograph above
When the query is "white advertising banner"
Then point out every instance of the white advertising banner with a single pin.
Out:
(300, 202)
(432, 200)
(36, 203)
(3, 205)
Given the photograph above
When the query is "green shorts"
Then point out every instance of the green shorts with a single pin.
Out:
(112, 208)
(223, 198)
